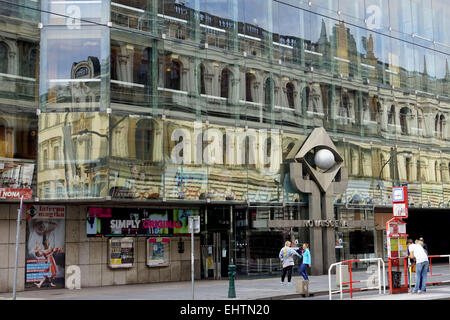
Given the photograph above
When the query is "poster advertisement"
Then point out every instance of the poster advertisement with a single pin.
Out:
(45, 246)
(121, 252)
(136, 222)
(158, 252)
(182, 216)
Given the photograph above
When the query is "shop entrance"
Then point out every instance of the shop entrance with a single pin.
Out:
(215, 243)
(359, 239)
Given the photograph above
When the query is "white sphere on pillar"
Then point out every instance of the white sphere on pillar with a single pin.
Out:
(324, 159)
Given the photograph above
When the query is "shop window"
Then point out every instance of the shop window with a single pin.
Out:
(290, 95)
(173, 75)
(225, 83)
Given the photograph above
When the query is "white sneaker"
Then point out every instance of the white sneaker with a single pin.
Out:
(289, 283)
(282, 283)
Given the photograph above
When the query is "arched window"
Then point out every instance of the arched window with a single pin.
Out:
(419, 172)
(202, 79)
(436, 172)
(225, 83)
(3, 57)
(441, 125)
(403, 120)
(436, 124)
(143, 140)
(173, 75)
(249, 81)
(268, 92)
(290, 94)
(391, 116)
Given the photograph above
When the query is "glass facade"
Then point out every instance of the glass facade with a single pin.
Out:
(199, 101)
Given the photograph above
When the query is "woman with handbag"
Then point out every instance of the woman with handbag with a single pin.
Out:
(287, 258)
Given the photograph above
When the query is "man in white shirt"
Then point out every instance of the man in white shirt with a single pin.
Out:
(416, 251)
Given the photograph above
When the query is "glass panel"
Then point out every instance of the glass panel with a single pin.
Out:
(133, 72)
(377, 15)
(74, 13)
(73, 69)
(137, 14)
(73, 151)
(26, 10)
(136, 162)
(441, 25)
(185, 172)
(401, 19)
(18, 151)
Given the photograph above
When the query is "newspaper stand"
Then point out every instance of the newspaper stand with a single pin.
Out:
(397, 241)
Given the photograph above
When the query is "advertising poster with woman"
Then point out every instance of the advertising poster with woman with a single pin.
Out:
(45, 247)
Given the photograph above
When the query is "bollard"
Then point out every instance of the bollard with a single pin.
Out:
(231, 275)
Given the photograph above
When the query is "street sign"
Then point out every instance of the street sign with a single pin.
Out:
(194, 221)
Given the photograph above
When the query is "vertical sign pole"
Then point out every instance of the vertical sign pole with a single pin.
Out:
(191, 226)
(19, 211)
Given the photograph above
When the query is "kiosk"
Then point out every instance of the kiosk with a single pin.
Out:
(396, 239)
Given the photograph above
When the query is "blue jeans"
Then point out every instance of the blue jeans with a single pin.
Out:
(303, 271)
(421, 276)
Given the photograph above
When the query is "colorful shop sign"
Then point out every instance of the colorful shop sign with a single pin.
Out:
(15, 194)
(128, 222)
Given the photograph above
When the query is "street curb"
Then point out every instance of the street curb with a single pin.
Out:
(295, 295)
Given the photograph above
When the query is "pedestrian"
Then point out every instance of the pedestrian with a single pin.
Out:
(305, 262)
(416, 251)
(424, 245)
(411, 263)
(287, 258)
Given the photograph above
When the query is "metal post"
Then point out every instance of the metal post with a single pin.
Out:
(19, 212)
(192, 256)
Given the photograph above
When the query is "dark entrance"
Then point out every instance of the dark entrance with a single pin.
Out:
(433, 226)
(215, 242)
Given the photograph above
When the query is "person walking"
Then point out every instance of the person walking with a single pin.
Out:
(287, 258)
(411, 265)
(306, 261)
(416, 251)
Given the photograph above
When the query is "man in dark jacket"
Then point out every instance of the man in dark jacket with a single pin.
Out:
(425, 247)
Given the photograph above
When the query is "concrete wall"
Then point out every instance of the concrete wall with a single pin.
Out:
(8, 229)
(90, 254)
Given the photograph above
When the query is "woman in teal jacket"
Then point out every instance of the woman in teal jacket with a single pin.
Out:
(306, 261)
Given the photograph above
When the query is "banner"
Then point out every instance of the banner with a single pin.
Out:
(15, 194)
(137, 222)
(45, 246)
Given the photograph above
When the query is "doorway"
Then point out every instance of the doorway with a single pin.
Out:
(215, 243)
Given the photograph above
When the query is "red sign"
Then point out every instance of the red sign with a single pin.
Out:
(15, 194)
(400, 202)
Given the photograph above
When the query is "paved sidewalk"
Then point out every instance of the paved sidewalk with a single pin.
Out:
(246, 289)
(264, 288)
